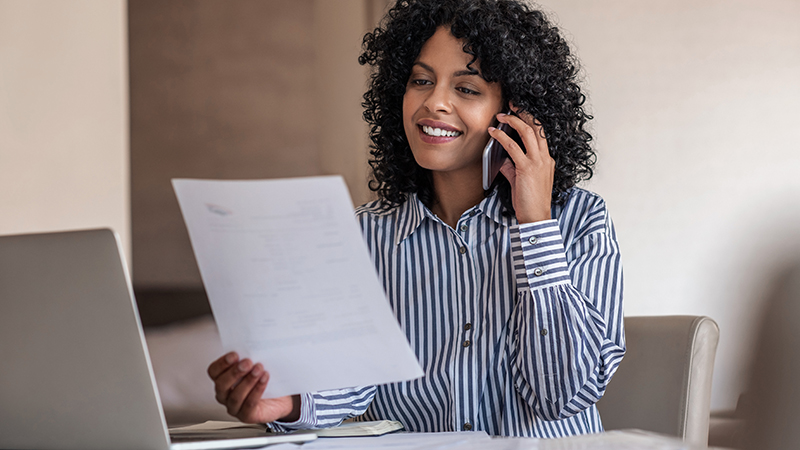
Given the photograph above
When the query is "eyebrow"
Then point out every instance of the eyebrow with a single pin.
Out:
(460, 73)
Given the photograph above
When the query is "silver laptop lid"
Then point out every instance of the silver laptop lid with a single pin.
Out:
(74, 367)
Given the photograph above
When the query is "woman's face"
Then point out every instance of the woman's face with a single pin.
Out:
(448, 107)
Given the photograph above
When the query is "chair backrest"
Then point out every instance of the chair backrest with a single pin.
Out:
(664, 382)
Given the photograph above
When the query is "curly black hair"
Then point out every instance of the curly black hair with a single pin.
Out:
(515, 46)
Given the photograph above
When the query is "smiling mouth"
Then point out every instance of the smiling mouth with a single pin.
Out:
(438, 132)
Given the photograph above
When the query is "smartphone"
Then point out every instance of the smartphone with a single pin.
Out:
(494, 155)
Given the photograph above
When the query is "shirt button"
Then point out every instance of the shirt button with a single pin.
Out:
(467, 326)
(533, 240)
(467, 426)
(537, 271)
(467, 343)
(464, 227)
(463, 250)
(544, 332)
(472, 213)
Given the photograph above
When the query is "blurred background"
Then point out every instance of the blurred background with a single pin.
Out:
(695, 104)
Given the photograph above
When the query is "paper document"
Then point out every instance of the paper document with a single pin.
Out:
(291, 283)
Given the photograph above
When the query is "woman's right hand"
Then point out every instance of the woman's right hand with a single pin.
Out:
(239, 385)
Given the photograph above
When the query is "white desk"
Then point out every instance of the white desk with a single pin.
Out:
(612, 440)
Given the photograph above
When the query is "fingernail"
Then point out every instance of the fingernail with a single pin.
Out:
(230, 358)
(243, 366)
(263, 378)
(492, 129)
(256, 371)
(501, 115)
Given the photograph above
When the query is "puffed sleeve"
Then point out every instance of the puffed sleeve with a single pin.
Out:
(567, 336)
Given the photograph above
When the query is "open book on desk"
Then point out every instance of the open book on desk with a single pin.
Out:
(232, 430)
(354, 429)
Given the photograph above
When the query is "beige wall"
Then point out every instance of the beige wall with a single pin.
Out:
(697, 106)
(63, 116)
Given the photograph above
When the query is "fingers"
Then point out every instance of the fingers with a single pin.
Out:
(216, 370)
(513, 149)
(525, 116)
(251, 401)
(535, 125)
(249, 389)
(230, 379)
(529, 120)
(531, 132)
(222, 364)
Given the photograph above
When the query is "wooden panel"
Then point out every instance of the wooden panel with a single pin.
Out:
(218, 90)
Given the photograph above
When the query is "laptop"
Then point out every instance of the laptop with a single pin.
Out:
(74, 367)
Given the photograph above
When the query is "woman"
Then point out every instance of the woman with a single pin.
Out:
(511, 297)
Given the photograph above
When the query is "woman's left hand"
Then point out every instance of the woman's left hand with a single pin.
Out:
(530, 174)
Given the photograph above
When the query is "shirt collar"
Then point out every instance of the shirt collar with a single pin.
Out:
(409, 217)
(412, 212)
(493, 209)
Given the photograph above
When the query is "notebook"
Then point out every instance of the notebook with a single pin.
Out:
(74, 366)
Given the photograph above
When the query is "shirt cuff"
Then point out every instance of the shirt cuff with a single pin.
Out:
(307, 415)
(545, 260)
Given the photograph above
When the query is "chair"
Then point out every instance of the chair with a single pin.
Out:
(664, 382)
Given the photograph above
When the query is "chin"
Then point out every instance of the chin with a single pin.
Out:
(432, 162)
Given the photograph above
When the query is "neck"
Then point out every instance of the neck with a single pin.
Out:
(455, 194)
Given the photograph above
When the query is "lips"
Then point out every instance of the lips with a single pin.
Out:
(435, 132)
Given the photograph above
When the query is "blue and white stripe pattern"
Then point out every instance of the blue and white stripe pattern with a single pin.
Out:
(518, 327)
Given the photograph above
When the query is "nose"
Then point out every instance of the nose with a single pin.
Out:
(438, 99)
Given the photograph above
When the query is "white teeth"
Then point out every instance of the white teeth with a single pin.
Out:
(438, 131)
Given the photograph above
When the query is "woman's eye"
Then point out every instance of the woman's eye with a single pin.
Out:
(420, 82)
(467, 91)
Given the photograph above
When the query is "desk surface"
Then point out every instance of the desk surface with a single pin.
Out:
(612, 440)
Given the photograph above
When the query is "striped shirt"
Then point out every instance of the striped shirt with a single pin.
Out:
(518, 328)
